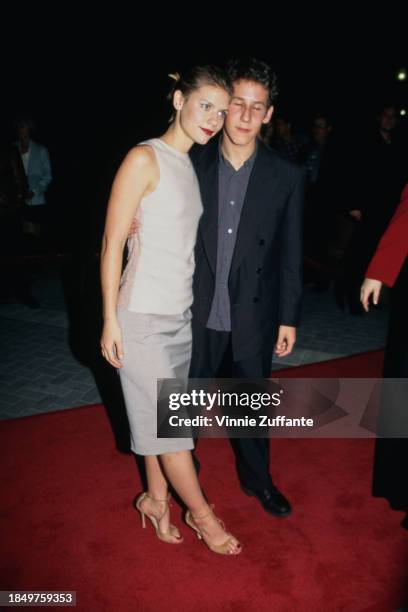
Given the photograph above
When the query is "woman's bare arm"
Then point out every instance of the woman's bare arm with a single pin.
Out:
(136, 178)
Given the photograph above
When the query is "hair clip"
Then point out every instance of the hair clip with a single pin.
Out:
(175, 76)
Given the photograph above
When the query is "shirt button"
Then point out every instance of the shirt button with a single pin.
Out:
(229, 230)
(232, 202)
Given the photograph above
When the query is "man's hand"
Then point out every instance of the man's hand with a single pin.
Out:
(369, 288)
(286, 340)
(356, 214)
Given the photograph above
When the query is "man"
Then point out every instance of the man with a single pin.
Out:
(321, 158)
(384, 164)
(379, 173)
(247, 283)
(282, 139)
(13, 189)
(37, 167)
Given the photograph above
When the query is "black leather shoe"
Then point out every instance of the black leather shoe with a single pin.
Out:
(272, 500)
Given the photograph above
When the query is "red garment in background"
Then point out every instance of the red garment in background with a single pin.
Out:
(392, 249)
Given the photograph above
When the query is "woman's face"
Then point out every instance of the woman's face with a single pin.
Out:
(202, 113)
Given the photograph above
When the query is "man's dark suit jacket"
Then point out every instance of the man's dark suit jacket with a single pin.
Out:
(265, 281)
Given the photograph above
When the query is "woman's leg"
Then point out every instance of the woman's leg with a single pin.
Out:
(179, 468)
(156, 480)
(156, 504)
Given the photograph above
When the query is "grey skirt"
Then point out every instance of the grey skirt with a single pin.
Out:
(155, 346)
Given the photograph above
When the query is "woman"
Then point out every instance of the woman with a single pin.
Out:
(147, 331)
(389, 266)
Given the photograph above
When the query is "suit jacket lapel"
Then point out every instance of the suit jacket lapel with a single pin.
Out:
(263, 185)
(208, 177)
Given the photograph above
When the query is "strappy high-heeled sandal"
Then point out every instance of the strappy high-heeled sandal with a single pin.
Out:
(221, 549)
(167, 536)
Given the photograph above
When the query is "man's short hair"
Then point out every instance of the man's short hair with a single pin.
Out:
(252, 69)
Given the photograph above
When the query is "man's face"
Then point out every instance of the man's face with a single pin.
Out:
(282, 127)
(247, 111)
(24, 134)
(388, 119)
(320, 129)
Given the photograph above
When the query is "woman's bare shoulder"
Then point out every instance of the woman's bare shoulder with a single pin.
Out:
(140, 162)
(141, 157)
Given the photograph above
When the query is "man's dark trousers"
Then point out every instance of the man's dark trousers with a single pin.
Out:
(214, 359)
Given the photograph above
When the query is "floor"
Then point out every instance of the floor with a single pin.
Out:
(42, 371)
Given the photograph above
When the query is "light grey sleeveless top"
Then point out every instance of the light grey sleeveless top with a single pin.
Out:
(159, 271)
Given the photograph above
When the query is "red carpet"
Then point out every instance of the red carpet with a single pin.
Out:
(68, 524)
(364, 365)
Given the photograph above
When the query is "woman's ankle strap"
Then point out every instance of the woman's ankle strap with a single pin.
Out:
(211, 507)
(158, 500)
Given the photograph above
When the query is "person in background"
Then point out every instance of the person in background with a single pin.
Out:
(282, 139)
(37, 166)
(377, 179)
(389, 266)
(13, 190)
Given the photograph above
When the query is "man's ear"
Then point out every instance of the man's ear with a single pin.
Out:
(268, 115)
(178, 100)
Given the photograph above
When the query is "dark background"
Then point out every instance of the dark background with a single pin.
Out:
(96, 86)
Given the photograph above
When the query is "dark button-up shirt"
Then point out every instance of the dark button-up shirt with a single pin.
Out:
(232, 187)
